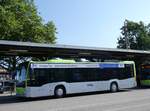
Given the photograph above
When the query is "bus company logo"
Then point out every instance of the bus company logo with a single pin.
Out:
(121, 65)
(33, 65)
(111, 65)
(44, 66)
(40, 66)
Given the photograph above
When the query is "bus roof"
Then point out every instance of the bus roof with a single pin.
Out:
(60, 61)
(66, 61)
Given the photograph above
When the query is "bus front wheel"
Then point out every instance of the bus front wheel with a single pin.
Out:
(60, 91)
(114, 87)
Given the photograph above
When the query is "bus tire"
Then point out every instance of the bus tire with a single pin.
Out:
(114, 87)
(60, 91)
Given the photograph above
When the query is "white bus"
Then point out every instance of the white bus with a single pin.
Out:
(61, 77)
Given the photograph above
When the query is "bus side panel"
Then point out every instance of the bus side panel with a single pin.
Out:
(38, 91)
(102, 85)
(127, 83)
(44, 90)
(80, 87)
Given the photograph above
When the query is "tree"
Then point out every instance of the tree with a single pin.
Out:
(19, 21)
(135, 36)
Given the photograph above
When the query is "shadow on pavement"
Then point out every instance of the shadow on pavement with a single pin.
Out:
(8, 99)
(142, 87)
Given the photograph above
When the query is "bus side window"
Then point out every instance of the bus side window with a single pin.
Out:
(75, 75)
(92, 74)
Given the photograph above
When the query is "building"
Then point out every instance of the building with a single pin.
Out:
(4, 74)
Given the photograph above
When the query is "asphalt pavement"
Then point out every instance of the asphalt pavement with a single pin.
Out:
(129, 100)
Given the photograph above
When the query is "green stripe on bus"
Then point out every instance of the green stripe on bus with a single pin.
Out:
(145, 82)
(20, 90)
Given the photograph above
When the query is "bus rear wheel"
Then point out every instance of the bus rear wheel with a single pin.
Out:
(114, 87)
(60, 92)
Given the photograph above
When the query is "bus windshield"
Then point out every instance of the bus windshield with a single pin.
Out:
(145, 74)
(38, 77)
(21, 76)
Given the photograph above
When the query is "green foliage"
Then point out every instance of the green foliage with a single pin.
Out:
(137, 34)
(19, 21)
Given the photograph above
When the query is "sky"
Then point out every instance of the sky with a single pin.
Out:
(92, 22)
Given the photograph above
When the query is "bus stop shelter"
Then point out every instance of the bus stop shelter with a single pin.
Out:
(14, 48)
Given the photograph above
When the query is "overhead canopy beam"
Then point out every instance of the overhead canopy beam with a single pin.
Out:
(14, 48)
